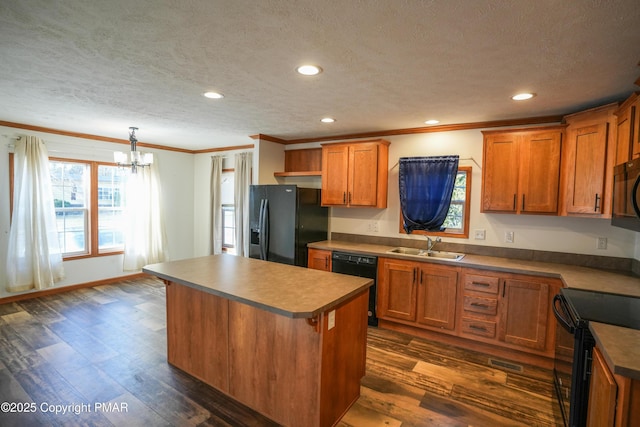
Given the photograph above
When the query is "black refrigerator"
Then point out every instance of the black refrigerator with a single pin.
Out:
(283, 219)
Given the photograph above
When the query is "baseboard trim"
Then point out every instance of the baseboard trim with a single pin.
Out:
(53, 291)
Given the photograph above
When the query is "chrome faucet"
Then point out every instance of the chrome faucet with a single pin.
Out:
(431, 243)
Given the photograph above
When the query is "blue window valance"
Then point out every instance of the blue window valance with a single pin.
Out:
(426, 185)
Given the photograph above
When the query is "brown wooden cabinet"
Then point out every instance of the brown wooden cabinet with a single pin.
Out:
(302, 162)
(511, 310)
(397, 282)
(355, 174)
(587, 162)
(319, 259)
(521, 170)
(627, 142)
(524, 311)
(422, 294)
(602, 393)
(437, 296)
(614, 400)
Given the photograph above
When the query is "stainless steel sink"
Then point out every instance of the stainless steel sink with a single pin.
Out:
(453, 256)
(408, 251)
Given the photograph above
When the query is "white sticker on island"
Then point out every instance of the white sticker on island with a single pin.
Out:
(332, 320)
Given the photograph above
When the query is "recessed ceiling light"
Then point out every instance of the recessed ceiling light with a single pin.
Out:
(309, 70)
(214, 95)
(432, 122)
(523, 96)
(327, 120)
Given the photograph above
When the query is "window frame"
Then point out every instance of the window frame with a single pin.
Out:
(92, 233)
(233, 209)
(465, 216)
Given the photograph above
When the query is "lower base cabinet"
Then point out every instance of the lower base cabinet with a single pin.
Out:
(417, 293)
(512, 311)
(319, 259)
(614, 400)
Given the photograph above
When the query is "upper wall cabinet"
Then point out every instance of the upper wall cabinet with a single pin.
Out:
(521, 170)
(355, 174)
(588, 160)
(627, 123)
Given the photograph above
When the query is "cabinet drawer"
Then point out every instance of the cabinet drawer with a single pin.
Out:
(476, 282)
(482, 328)
(481, 305)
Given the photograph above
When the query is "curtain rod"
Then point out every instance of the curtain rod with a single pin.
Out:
(466, 158)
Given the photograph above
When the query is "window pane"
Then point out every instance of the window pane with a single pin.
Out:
(228, 226)
(111, 191)
(69, 182)
(455, 217)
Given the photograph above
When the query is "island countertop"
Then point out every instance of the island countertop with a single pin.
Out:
(287, 290)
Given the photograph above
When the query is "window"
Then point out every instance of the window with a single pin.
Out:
(110, 202)
(228, 212)
(70, 186)
(228, 227)
(89, 202)
(457, 221)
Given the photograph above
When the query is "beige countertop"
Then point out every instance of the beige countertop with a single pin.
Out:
(621, 346)
(291, 291)
(572, 276)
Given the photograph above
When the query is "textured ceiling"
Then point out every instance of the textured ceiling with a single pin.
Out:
(99, 67)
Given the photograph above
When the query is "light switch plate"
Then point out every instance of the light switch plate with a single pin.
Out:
(508, 236)
(331, 321)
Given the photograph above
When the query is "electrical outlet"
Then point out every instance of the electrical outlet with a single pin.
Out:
(480, 234)
(372, 226)
(601, 243)
(331, 321)
(508, 236)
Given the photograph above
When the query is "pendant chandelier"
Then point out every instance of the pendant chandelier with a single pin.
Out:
(136, 158)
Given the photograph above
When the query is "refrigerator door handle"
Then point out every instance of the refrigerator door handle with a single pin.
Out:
(261, 228)
(264, 240)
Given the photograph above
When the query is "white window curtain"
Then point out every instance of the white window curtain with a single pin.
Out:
(216, 204)
(242, 180)
(34, 259)
(145, 238)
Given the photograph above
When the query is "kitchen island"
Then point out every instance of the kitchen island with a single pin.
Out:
(287, 341)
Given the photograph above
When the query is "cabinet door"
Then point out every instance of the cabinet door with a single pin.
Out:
(363, 175)
(635, 141)
(319, 259)
(500, 173)
(540, 172)
(602, 393)
(624, 134)
(523, 313)
(335, 169)
(397, 290)
(437, 295)
(586, 152)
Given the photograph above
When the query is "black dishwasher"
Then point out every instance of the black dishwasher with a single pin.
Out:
(361, 266)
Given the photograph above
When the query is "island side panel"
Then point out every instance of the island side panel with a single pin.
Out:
(198, 335)
(344, 356)
(275, 364)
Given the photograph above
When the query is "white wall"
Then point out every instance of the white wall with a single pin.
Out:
(267, 159)
(548, 233)
(176, 175)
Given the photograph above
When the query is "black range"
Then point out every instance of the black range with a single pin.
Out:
(573, 309)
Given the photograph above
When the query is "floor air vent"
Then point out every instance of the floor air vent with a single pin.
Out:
(506, 365)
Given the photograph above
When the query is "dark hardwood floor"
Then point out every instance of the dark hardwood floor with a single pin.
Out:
(97, 357)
